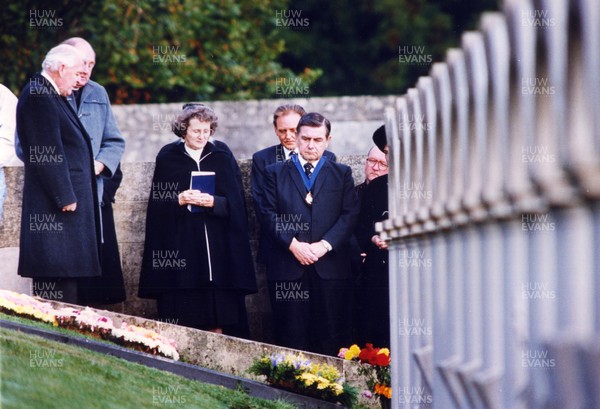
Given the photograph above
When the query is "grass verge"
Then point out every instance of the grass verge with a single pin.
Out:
(39, 373)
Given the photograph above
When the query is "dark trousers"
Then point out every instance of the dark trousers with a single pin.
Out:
(56, 289)
(311, 313)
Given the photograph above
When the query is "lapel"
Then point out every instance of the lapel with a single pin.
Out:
(62, 102)
(72, 101)
(279, 154)
(69, 111)
(85, 93)
(291, 169)
(321, 177)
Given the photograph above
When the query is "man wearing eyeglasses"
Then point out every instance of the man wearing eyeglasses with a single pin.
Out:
(373, 297)
(375, 165)
(285, 121)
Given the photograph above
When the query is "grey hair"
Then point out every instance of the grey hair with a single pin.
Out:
(62, 54)
(200, 112)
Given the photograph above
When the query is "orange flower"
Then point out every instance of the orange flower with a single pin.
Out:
(383, 390)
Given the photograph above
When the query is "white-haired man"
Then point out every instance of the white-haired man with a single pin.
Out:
(90, 100)
(60, 224)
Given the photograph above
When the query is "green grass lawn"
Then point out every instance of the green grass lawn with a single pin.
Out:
(39, 373)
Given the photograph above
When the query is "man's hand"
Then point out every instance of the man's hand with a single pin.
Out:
(98, 167)
(318, 249)
(70, 208)
(379, 242)
(303, 252)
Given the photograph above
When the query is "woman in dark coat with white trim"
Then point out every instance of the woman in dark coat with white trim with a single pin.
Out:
(198, 266)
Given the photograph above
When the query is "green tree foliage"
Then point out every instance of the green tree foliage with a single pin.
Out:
(180, 50)
(156, 50)
(358, 43)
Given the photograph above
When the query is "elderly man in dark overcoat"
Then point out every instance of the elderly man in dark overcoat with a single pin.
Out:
(60, 225)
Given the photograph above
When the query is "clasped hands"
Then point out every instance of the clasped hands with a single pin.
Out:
(196, 197)
(307, 253)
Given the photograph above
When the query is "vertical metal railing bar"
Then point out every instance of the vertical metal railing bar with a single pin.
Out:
(443, 95)
(574, 299)
(524, 198)
(470, 234)
(406, 143)
(427, 123)
(393, 141)
(412, 321)
(584, 92)
(489, 379)
(399, 299)
(496, 160)
(399, 283)
(458, 153)
(444, 345)
(416, 160)
(550, 113)
(477, 74)
(430, 174)
(460, 111)
(516, 316)
(522, 106)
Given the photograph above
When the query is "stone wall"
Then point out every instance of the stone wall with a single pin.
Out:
(130, 217)
(247, 126)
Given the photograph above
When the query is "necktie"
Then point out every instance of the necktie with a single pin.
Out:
(308, 169)
(292, 154)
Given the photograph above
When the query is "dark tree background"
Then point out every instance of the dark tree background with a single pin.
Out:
(176, 50)
(356, 42)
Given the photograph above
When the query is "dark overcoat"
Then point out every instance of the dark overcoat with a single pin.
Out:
(59, 170)
(185, 250)
(258, 175)
(373, 295)
(331, 217)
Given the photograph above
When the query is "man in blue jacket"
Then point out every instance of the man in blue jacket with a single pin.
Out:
(311, 208)
(285, 121)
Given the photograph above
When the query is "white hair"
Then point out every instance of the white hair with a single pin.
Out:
(62, 54)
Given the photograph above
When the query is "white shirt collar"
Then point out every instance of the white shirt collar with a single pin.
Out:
(304, 161)
(287, 152)
(47, 76)
(195, 154)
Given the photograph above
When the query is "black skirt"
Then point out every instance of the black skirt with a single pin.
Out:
(200, 308)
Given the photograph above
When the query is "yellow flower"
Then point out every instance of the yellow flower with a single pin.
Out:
(384, 351)
(322, 383)
(307, 378)
(337, 389)
(353, 352)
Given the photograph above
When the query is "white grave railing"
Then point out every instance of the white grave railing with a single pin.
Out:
(494, 223)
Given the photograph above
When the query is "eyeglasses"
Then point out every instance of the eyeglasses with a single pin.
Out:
(373, 162)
